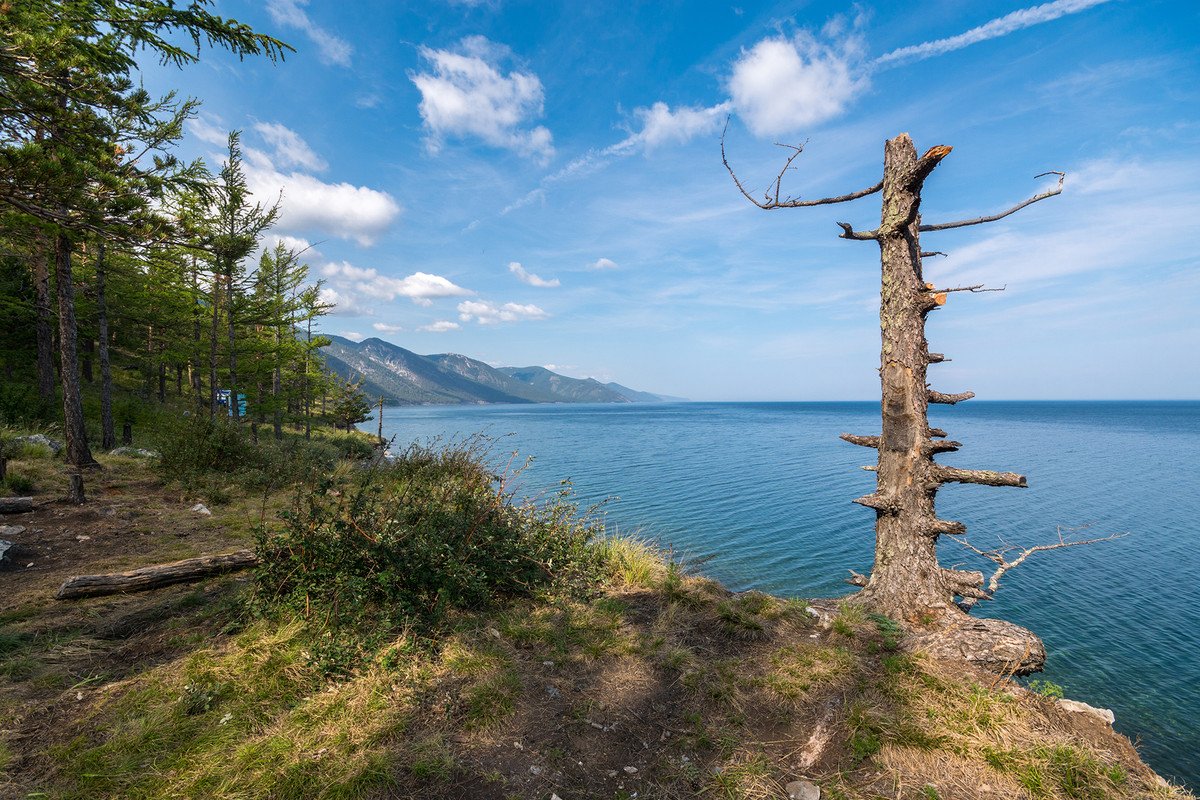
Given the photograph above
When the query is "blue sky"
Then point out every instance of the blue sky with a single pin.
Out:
(541, 183)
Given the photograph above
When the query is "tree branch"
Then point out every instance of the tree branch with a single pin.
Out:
(979, 287)
(993, 217)
(861, 441)
(848, 232)
(1000, 555)
(986, 477)
(949, 399)
(771, 197)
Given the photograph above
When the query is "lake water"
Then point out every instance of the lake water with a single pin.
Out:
(757, 495)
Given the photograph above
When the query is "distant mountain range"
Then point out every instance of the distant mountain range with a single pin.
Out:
(405, 378)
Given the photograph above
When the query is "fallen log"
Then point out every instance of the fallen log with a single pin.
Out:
(145, 578)
(15, 505)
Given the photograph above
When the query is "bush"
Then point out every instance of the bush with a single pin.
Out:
(200, 452)
(408, 541)
(194, 446)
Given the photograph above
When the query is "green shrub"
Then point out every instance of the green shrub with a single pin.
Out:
(409, 540)
(16, 484)
(193, 446)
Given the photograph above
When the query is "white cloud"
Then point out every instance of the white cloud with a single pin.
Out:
(441, 326)
(384, 327)
(366, 282)
(208, 130)
(353, 336)
(370, 100)
(290, 150)
(342, 209)
(993, 29)
(296, 244)
(466, 94)
(344, 303)
(783, 84)
(330, 49)
(525, 276)
(662, 125)
(603, 263)
(486, 313)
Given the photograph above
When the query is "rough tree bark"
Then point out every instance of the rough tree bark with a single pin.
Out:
(907, 583)
(44, 318)
(108, 434)
(79, 455)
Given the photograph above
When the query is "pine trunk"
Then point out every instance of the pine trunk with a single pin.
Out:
(108, 436)
(213, 406)
(234, 406)
(78, 453)
(43, 325)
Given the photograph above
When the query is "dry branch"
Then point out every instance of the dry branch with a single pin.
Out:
(993, 217)
(145, 578)
(1000, 555)
(985, 477)
(771, 198)
(861, 441)
(949, 399)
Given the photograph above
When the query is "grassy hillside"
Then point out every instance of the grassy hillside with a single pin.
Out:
(415, 632)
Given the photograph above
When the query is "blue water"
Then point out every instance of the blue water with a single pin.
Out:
(758, 496)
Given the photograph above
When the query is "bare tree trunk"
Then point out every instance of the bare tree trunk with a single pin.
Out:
(108, 436)
(307, 383)
(213, 406)
(78, 453)
(907, 580)
(42, 325)
(234, 406)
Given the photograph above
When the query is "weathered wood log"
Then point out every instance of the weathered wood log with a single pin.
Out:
(15, 505)
(145, 578)
(933, 447)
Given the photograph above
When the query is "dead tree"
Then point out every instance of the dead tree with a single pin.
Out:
(907, 583)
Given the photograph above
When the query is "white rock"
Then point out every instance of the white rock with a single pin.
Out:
(200, 508)
(631, 770)
(535, 770)
(11, 530)
(1083, 708)
(803, 790)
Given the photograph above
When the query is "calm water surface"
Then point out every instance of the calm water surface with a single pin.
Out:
(759, 495)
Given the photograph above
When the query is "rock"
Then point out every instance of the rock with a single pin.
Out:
(134, 452)
(535, 770)
(553, 796)
(11, 530)
(1083, 708)
(200, 508)
(4, 548)
(552, 691)
(42, 439)
(631, 770)
(803, 790)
